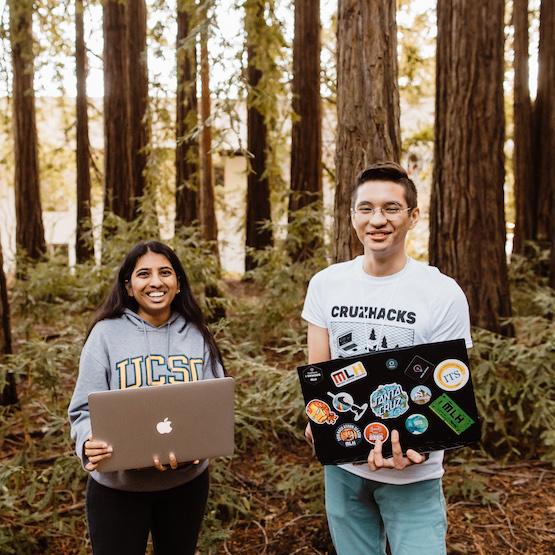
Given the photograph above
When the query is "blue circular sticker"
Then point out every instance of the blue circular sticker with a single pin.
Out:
(348, 435)
(416, 424)
(420, 394)
(391, 363)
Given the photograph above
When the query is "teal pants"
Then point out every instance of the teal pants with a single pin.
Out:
(362, 512)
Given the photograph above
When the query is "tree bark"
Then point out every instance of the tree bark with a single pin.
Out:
(367, 104)
(118, 179)
(138, 96)
(28, 210)
(209, 225)
(467, 222)
(187, 150)
(306, 134)
(258, 187)
(9, 393)
(83, 247)
(523, 161)
(544, 123)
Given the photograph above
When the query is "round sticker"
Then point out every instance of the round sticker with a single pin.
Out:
(320, 412)
(342, 402)
(391, 363)
(420, 394)
(416, 424)
(312, 374)
(348, 435)
(375, 431)
(451, 374)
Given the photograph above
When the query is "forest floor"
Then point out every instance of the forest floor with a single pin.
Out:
(515, 516)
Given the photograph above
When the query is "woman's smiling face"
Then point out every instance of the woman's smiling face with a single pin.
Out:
(154, 285)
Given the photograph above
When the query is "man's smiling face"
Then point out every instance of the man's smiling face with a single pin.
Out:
(384, 231)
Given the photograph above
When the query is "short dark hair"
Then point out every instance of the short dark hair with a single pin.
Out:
(387, 171)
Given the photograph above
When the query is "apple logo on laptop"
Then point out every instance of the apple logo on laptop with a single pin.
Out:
(164, 427)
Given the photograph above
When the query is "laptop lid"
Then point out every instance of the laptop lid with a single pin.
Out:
(194, 420)
(425, 392)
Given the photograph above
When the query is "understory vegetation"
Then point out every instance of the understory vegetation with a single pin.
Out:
(263, 340)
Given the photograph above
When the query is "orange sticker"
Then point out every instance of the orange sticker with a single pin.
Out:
(375, 431)
(320, 412)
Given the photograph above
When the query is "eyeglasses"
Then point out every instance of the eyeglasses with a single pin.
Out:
(389, 212)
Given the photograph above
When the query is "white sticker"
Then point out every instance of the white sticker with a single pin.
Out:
(451, 374)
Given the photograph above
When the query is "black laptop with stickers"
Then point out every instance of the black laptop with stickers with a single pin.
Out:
(424, 392)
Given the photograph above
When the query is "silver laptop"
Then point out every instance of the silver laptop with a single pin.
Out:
(194, 420)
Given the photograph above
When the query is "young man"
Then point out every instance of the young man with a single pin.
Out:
(384, 300)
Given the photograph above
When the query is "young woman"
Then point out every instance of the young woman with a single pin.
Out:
(148, 331)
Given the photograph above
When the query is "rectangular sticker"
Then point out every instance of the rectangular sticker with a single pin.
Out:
(348, 374)
(451, 414)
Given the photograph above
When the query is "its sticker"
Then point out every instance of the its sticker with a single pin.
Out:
(389, 401)
(349, 374)
(419, 369)
(320, 412)
(391, 364)
(375, 431)
(343, 402)
(348, 435)
(451, 374)
(420, 394)
(312, 374)
(416, 424)
(453, 415)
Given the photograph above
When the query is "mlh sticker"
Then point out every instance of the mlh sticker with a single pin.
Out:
(419, 369)
(349, 374)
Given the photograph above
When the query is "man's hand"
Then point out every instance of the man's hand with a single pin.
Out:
(398, 461)
(96, 451)
(308, 434)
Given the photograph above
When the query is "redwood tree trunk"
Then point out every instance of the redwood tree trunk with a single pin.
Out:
(138, 95)
(523, 162)
(119, 188)
(544, 116)
(207, 210)
(258, 187)
(83, 247)
(187, 150)
(28, 210)
(9, 394)
(467, 223)
(367, 103)
(306, 135)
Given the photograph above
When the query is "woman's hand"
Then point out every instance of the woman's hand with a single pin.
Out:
(398, 461)
(96, 451)
(173, 463)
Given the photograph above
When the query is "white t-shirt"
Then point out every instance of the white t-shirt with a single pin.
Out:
(417, 305)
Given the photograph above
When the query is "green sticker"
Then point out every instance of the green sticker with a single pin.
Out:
(451, 414)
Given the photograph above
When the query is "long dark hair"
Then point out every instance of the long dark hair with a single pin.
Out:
(118, 299)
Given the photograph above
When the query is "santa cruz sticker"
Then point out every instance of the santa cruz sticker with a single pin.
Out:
(451, 413)
(320, 412)
(389, 401)
(420, 394)
(348, 435)
(349, 374)
(419, 369)
(416, 424)
(375, 431)
(451, 374)
(312, 374)
(343, 402)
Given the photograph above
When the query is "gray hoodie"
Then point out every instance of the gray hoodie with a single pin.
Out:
(128, 352)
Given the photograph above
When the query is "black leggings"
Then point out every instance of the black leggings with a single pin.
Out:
(119, 521)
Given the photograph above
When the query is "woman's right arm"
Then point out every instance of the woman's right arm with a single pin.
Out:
(93, 376)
